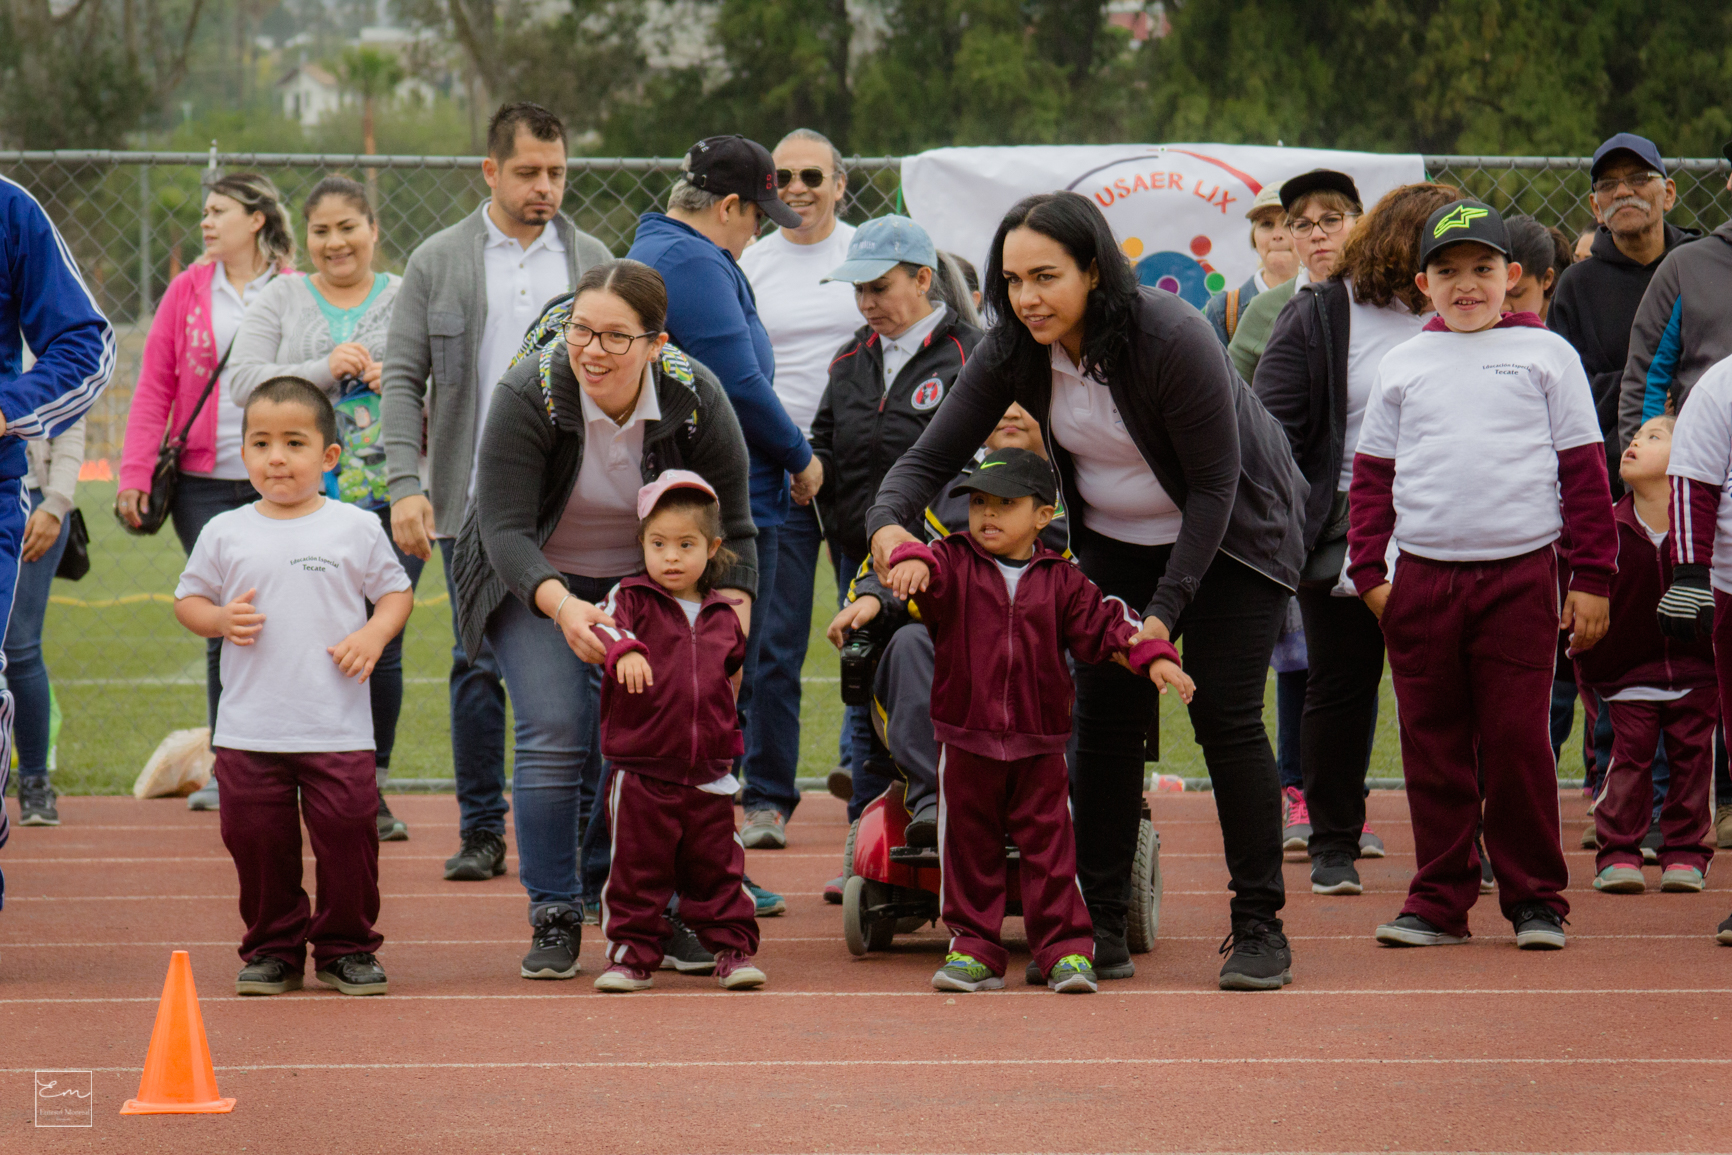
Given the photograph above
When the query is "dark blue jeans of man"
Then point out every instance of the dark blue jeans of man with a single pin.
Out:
(26, 674)
(477, 725)
(14, 510)
(766, 792)
(1289, 711)
(781, 627)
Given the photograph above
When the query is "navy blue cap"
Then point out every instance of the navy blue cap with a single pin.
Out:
(1639, 146)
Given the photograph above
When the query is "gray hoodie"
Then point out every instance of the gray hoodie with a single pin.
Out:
(1683, 325)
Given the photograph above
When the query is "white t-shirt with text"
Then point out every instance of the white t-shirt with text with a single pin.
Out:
(314, 575)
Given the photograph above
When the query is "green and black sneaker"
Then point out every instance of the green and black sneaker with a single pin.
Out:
(963, 972)
(1073, 974)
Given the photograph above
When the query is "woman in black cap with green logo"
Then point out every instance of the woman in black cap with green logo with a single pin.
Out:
(1185, 501)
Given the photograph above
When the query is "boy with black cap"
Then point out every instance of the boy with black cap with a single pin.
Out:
(1473, 431)
(1003, 609)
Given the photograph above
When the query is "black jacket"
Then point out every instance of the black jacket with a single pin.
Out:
(1208, 440)
(532, 449)
(1302, 380)
(1592, 308)
(861, 429)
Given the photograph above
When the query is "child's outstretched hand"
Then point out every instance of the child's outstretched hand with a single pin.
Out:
(1587, 617)
(909, 577)
(1164, 672)
(633, 672)
(240, 622)
(357, 654)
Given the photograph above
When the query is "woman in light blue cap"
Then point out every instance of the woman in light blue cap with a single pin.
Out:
(885, 385)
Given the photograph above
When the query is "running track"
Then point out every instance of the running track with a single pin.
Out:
(1613, 1045)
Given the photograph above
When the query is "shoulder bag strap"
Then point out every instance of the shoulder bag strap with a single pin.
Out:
(180, 438)
(1231, 316)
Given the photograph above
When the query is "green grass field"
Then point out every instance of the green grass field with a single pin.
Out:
(125, 673)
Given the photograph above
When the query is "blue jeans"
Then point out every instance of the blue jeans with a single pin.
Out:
(477, 726)
(26, 675)
(196, 501)
(764, 708)
(14, 511)
(557, 701)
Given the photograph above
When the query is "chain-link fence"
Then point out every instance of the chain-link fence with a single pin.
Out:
(124, 674)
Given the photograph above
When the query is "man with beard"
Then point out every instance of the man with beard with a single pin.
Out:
(1596, 299)
(469, 294)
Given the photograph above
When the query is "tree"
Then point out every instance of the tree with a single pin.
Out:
(369, 74)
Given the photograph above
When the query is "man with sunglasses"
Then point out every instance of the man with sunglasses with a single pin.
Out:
(808, 323)
(1596, 299)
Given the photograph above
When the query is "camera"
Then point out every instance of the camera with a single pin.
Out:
(860, 656)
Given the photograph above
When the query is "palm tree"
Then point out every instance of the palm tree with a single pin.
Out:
(370, 74)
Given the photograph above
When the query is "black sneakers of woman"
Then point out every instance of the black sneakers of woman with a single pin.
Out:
(553, 949)
(1258, 958)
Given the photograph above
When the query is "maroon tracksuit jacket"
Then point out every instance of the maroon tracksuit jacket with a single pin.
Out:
(680, 733)
(1001, 707)
(1635, 653)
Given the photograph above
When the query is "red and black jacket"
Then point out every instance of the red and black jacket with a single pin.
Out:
(1634, 652)
(861, 429)
(1000, 685)
(685, 727)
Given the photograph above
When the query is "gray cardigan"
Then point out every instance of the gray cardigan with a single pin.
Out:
(284, 334)
(430, 360)
(531, 452)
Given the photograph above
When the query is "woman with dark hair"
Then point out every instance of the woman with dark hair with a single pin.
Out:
(574, 430)
(1183, 499)
(1544, 254)
(1316, 375)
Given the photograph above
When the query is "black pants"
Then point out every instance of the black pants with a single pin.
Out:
(1345, 647)
(1230, 629)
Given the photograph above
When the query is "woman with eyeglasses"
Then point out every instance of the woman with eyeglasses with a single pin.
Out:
(1322, 207)
(573, 432)
(1184, 502)
(1316, 377)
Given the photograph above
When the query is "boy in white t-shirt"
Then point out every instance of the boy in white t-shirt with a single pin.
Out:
(286, 582)
(1480, 455)
(1698, 603)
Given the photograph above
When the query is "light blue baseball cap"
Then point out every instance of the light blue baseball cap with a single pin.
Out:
(880, 245)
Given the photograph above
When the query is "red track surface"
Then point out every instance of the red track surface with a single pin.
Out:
(1610, 1045)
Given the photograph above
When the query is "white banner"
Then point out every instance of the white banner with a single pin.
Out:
(1178, 210)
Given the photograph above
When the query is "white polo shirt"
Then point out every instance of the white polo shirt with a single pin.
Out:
(227, 306)
(519, 282)
(900, 351)
(1120, 496)
(597, 534)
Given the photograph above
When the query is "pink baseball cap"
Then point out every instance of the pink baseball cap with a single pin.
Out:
(672, 479)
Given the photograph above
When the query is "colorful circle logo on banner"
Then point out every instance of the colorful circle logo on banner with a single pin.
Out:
(1158, 203)
(927, 394)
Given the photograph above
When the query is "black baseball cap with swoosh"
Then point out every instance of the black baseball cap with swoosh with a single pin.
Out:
(721, 165)
(1462, 221)
(1010, 474)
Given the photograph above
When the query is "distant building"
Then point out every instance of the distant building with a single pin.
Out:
(308, 94)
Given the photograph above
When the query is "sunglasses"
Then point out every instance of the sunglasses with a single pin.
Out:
(810, 177)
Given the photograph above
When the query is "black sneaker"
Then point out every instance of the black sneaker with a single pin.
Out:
(1538, 927)
(681, 950)
(1651, 844)
(391, 828)
(268, 975)
(923, 830)
(553, 951)
(481, 858)
(1112, 956)
(36, 803)
(1258, 958)
(1411, 930)
(1332, 872)
(1723, 932)
(354, 974)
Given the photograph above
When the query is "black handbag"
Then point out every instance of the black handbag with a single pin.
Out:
(1323, 565)
(165, 478)
(75, 562)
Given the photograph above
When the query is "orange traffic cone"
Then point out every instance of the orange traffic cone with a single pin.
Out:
(178, 1077)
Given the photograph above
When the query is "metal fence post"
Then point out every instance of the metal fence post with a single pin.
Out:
(144, 256)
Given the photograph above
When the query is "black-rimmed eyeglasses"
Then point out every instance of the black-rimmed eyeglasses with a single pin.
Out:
(611, 341)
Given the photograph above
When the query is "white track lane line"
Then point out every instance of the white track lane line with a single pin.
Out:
(934, 936)
(919, 993)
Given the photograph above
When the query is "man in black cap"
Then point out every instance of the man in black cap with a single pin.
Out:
(727, 187)
(1596, 299)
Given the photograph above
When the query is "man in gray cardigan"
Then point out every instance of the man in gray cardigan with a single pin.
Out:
(468, 296)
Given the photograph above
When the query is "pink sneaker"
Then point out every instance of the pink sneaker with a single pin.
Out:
(735, 972)
(1370, 846)
(1296, 827)
(621, 979)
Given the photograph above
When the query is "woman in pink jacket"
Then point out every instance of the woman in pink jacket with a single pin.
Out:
(248, 242)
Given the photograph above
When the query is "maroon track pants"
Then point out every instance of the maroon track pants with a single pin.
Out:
(1472, 649)
(669, 837)
(1626, 801)
(261, 825)
(981, 802)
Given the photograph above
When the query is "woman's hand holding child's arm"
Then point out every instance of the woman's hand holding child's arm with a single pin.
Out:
(633, 672)
(357, 654)
(1164, 672)
(237, 621)
(851, 617)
